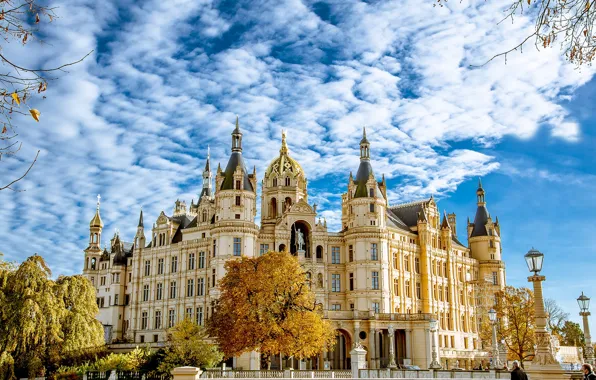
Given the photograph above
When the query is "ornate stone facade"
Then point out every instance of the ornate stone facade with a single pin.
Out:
(392, 268)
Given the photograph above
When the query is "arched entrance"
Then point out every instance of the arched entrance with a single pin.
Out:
(300, 228)
(340, 355)
(282, 248)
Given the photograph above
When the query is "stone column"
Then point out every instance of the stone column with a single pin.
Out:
(588, 350)
(186, 373)
(391, 332)
(544, 366)
(358, 359)
(408, 344)
(372, 338)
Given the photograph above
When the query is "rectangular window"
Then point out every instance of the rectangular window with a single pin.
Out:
(200, 286)
(335, 283)
(160, 266)
(191, 261)
(201, 260)
(142, 338)
(372, 207)
(418, 292)
(351, 253)
(213, 277)
(116, 300)
(214, 247)
(102, 280)
(408, 293)
(375, 280)
(171, 317)
(417, 265)
(190, 287)
(174, 265)
(407, 263)
(173, 289)
(373, 252)
(157, 322)
(144, 320)
(445, 269)
(147, 267)
(199, 316)
(335, 255)
(145, 293)
(376, 307)
(396, 287)
(117, 278)
(351, 281)
(264, 249)
(495, 279)
(237, 200)
(189, 313)
(336, 307)
(159, 291)
(237, 246)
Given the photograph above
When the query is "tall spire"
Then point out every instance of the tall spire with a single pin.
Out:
(208, 164)
(364, 146)
(207, 177)
(141, 218)
(284, 145)
(96, 221)
(480, 194)
(445, 223)
(237, 137)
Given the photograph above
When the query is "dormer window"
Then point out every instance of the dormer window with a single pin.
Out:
(371, 193)
(287, 181)
(274, 182)
(237, 185)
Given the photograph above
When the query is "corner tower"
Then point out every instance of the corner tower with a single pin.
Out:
(484, 238)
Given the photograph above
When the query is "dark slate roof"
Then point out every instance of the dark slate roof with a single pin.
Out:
(456, 240)
(228, 182)
(183, 222)
(480, 221)
(205, 192)
(408, 212)
(105, 256)
(394, 221)
(141, 219)
(364, 172)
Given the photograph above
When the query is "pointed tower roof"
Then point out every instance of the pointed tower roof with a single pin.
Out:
(422, 216)
(208, 164)
(365, 169)
(96, 221)
(141, 219)
(482, 214)
(445, 223)
(235, 161)
(206, 191)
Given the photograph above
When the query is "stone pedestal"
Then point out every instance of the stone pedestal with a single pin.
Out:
(186, 373)
(358, 359)
(546, 372)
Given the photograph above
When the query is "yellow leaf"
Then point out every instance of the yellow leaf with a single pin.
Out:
(35, 114)
(15, 96)
(4, 130)
(529, 1)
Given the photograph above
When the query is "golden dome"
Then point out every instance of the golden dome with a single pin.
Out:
(284, 164)
(96, 221)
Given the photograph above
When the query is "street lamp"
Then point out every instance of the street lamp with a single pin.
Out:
(544, 364)
(584, 307)
(434, 364)
(496, 363)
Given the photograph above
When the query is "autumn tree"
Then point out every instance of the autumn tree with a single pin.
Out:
(19, 24)
(266, 305)
(41, 320)
(188, 345)
(566, 23)
(572, 334)
(515, 312)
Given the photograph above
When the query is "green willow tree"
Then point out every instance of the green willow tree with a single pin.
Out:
(43, 321)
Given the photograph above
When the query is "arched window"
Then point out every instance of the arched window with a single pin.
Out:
(273, 208)
(287, 181)
(204, 215)
(93, 263)
(288, 203)
(282, 247)
(319, 252)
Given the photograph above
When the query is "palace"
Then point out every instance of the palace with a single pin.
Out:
(382, 279)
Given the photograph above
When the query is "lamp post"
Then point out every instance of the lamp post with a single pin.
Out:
(434, 364)
(496, 363)
(544, 364)
(584, 307)
(391, 332)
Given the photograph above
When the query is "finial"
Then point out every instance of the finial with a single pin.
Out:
(98, 199)
(364, 132)
(208, 151)
(284, 145)
(479, 183)
(237, 124)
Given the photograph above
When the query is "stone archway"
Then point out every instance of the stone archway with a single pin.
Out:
(340, 355)
(304, 228)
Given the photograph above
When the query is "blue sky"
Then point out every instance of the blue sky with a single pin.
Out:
(166, 79)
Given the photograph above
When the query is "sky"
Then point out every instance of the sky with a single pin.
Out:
(166, 79)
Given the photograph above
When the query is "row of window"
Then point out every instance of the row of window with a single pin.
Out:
(173, 290)
(196, 314)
